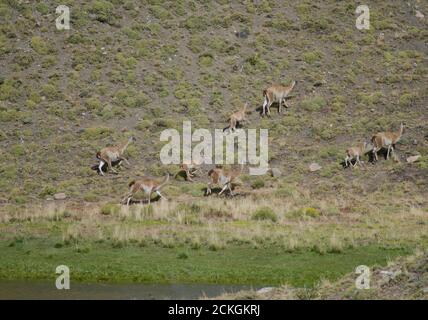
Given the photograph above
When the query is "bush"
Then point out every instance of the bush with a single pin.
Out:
(312, 56)
(258, 183)
(264, 213)
(314, 104)
(110, 209)
(39, 45)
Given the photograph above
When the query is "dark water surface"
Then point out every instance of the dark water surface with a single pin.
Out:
(20, 289)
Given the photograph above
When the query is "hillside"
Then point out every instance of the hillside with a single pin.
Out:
(136, 68)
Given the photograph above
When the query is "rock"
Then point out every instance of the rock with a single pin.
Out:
(242, 34)
(265, 290)
(60, 196)
(419, 14)
(413, 158)
(276, 172)
(415, 142)
(314, 167)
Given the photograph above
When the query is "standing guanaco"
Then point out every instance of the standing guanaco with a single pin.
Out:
(355, 153)
(224, 178)
(386, 140)
(236, 118)
(148, 185)
(111, 154)
(276, 93)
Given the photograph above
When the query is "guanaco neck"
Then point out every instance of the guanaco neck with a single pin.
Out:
(124, 146)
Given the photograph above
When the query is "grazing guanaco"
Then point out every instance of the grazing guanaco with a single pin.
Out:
(148, 185)
(355, 153)
(386, 140)
(276, 93)
(224, 178)
(111, 154)
(189, 169)
(236, 118)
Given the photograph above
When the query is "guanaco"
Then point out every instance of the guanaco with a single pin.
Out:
(276, 93)
(355, 153)
(236, 118)
(111, 154)
(189, 169)
(224, 178)
(148, 185)
(386, 140)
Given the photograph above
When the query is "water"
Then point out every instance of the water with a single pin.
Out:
(46, 290)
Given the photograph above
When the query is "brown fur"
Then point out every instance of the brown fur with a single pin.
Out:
(147, 185)
(386, 139)
(114, 153)
(189, 169)
(237, 117)
(355, 152)
(276, 93)
(224, 178)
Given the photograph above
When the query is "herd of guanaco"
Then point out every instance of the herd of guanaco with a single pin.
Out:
(225, 178)
(380, 140)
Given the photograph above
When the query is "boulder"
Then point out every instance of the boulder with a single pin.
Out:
(413, 158)
(276, 172)
(60, 196)
(314, 167)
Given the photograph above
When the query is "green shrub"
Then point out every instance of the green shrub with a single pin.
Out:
(103, 10)
(264, 213)
(110, 209)
(312, 56)
(39, 45)
(314, 104)
(258, 183)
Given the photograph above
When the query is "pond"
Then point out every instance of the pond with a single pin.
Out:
(33, 290)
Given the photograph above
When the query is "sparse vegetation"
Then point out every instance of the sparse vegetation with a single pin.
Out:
(133, 68)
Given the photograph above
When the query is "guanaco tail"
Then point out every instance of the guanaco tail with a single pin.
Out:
(236, 118)
(224, 178)
(148, 186)
(112, 154)
(355, 153)
(276, 93)
(386, 140)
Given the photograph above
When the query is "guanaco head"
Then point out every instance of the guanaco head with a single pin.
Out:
(131, 183)
(98, 155)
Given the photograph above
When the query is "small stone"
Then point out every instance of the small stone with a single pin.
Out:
(276, 172)
(419, 14)
(265, 290)
(60, 196)
(242, 34)
(314, 167)
(415, 142)
(413, 158)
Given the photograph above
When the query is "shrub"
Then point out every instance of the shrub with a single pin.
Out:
(39, 45)
(103, 11)
(110, 209)
(258, 183)
(314, 104)
(264, 213)
(312, 56)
